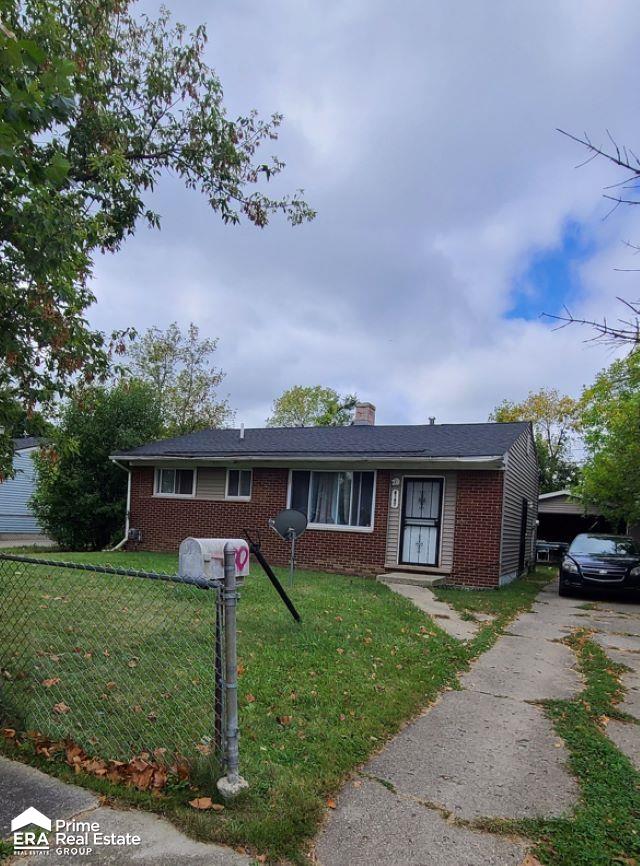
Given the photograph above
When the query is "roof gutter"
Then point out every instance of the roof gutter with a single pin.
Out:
(333, 458)
(122, 543)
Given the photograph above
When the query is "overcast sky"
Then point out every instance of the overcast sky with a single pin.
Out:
(450, 211)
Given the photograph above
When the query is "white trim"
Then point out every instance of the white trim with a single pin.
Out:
(334, 527)
(442, 478)
(229, 498)
(156, 477)
(555, 493)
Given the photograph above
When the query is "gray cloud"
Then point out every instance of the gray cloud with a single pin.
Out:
(424, 135)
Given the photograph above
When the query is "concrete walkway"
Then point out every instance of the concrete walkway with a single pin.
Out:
(161, 844)
(485, 751)
(619, 624)
(445, 616)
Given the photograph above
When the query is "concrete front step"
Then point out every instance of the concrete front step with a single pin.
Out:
(426, 580)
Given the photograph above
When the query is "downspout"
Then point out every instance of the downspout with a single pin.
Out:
(121, 544)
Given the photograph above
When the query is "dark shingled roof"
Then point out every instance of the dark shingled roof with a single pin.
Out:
(24, 442)
(358, 442)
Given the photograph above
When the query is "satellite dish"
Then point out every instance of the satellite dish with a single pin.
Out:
(290, 524)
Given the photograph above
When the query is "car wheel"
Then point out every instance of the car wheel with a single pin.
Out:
(564, 590)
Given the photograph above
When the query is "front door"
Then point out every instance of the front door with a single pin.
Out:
(421, 514)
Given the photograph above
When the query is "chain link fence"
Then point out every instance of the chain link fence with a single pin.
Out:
(119, 662)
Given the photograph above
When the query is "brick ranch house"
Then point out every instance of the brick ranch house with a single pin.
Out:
(456, 500)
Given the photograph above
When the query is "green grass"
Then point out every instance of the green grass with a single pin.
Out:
(327, 693)
(503, 604)
(605, 827)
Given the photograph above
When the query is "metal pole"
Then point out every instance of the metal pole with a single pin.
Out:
(233, 783)
(218, 709)
(292, 564)
(255, 549)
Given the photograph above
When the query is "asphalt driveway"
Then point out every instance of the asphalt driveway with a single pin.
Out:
(486, 751)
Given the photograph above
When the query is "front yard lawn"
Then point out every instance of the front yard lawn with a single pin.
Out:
(315, 699)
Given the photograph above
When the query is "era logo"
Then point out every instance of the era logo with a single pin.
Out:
(30, 840)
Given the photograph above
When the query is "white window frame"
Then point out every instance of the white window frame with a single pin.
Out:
(228, 496)
(156, 483)
(334, 527)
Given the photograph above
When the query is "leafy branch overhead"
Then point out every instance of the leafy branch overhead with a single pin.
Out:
(96, 105)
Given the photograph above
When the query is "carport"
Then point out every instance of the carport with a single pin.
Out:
(561, 517)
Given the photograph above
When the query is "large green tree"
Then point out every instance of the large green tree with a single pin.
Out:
(80, 494)
(180, 369)
(554, 419)
(312, 406)
(95, 105)
(610, 419)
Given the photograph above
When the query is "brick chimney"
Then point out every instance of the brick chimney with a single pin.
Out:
(365, 414)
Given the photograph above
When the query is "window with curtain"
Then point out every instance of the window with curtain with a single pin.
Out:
(175, 482)
(333, 498)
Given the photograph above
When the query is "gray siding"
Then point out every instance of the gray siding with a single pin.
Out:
(520, 482)
(15, 514)
(210, 483)
(560, 505)
(448, 518)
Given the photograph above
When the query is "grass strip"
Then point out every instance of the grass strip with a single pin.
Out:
(605, 827)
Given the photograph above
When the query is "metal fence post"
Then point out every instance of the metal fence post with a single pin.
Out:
(233, 783)
(218, 708)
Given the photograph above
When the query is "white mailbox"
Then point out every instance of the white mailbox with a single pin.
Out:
(204, 557)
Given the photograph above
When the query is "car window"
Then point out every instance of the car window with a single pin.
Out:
(604, 546)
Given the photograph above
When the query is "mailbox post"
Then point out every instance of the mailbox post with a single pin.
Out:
(233, 783)
(223, 562)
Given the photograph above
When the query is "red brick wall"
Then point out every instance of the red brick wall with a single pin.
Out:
(478, 529)
(166, 522)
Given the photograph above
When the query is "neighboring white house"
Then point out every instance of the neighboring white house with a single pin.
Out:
(18, 524)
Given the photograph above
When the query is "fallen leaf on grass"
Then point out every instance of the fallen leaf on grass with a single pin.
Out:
(250, 698)
(53, 681)
(332, 803)
(284, 720)
(8, 733)
(201, 803)
(61, 708)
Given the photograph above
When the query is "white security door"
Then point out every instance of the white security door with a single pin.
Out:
(421, 507)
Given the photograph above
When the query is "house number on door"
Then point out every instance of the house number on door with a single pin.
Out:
(395, 497)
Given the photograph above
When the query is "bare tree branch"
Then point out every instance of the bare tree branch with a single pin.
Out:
(624, 331)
